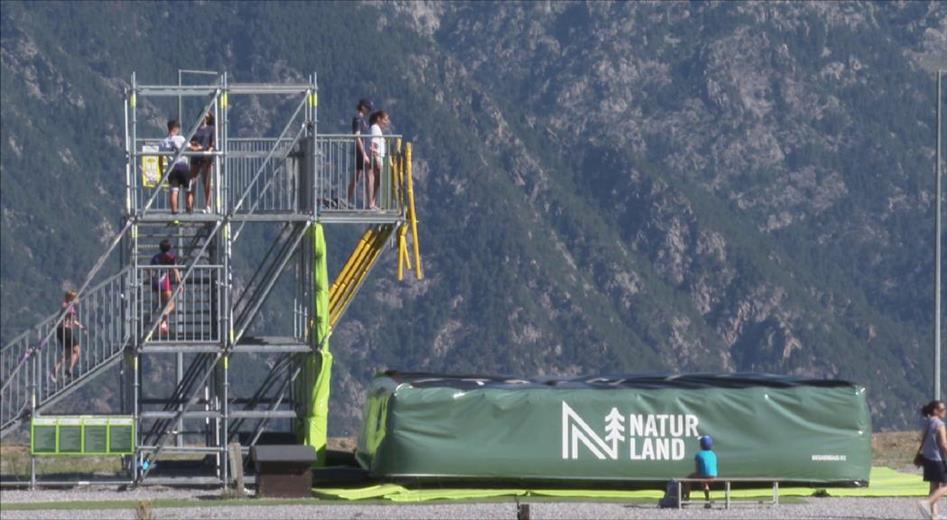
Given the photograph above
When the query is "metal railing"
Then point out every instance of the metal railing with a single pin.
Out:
(150, 166)
(35, 366)
(194, 315)
(346, 183)
(275, 189)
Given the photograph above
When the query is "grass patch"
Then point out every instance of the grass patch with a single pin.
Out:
(894, 450)
(15, 462)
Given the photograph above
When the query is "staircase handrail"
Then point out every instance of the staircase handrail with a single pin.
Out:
(53, 316)
(149, 332)
(242, 322)
(55, 319)
(59, 316)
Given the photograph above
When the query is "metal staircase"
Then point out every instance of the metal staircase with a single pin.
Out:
(27, 362)
(294, 180)
(249, 301)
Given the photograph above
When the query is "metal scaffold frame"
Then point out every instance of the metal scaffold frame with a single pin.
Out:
(295, 180)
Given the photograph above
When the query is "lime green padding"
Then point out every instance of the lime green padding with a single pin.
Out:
(318, 366)
(321, 278)
(885, 482)
(377, 491)
(423, 495)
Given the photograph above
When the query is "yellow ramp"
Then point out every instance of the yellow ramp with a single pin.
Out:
(356, 269)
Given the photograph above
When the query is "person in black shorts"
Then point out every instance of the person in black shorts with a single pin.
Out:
(180, 176)
(361, 129)
(67, 337)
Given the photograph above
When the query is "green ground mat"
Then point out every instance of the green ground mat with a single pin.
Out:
(377, 491)
(885, 482)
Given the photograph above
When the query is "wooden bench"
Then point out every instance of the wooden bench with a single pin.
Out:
(728, 500)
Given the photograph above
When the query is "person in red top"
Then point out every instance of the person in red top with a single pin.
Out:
(67, 337)
(164, 280)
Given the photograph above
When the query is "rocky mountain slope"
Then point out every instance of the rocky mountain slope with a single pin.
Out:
(605, 187)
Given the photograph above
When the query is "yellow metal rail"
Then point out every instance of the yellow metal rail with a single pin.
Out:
(372, 243)
(356, 269)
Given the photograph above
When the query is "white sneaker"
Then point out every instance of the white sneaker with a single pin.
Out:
(925, 508)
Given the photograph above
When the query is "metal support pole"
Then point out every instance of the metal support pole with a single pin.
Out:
(136, 358)
(223, 145)
(315, 164)
(36, 374)
(179, 375)
(937, 235)
(225, 435)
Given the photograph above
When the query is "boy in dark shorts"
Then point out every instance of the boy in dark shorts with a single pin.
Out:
(180, 176)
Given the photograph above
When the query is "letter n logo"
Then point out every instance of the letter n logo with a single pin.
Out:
(575, 431)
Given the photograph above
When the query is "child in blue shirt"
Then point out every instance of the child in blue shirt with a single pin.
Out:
(705, 463)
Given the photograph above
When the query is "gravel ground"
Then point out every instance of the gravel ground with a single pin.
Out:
(813, 508)
(93, 493)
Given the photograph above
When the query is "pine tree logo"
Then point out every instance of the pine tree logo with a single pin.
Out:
(615, 429)
(576, 431)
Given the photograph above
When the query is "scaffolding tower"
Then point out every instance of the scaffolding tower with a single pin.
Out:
(293, 180)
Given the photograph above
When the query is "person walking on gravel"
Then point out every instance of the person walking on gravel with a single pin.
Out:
(932, 450)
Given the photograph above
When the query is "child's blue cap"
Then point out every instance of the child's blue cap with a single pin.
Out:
(706, 442)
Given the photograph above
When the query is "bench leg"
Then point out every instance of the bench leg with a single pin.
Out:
(726, 493)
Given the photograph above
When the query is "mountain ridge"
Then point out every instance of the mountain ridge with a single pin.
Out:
(602, 187)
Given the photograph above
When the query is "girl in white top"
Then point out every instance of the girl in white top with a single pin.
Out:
(379, 121)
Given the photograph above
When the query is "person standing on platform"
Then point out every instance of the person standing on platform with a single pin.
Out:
(180, 175)
(932, 450)
(204, 140)
(379, 121)
(361, 130)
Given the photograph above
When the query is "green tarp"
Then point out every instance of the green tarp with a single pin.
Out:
(317, 367)
(616, 428)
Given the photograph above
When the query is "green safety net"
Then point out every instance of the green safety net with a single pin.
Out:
(317, 367)
(885, 482)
